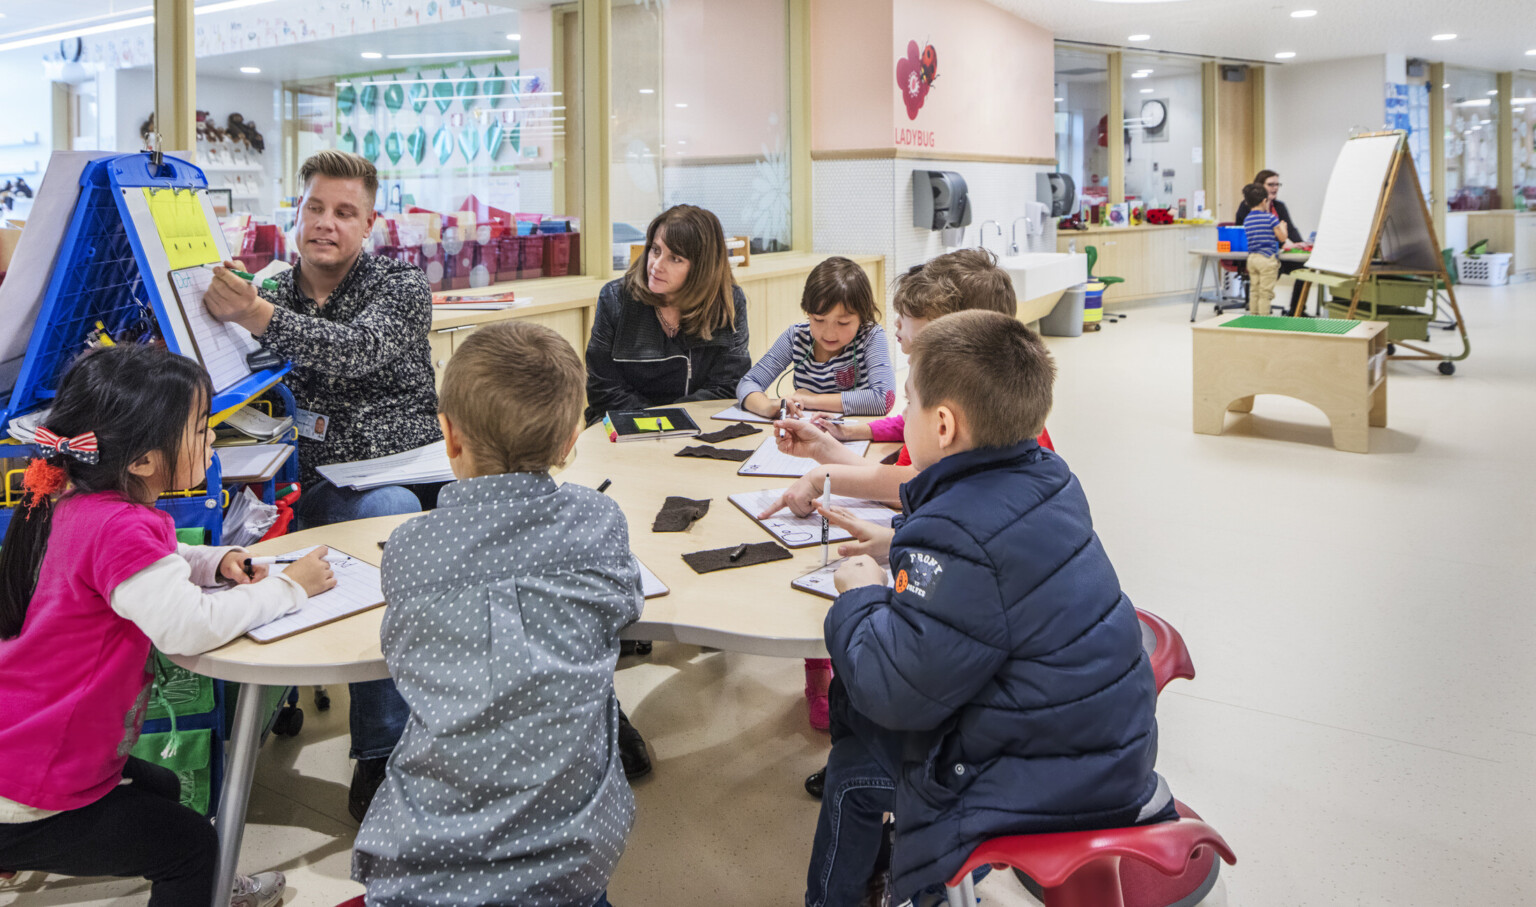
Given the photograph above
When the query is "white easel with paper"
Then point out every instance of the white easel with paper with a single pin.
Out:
(1375, 224)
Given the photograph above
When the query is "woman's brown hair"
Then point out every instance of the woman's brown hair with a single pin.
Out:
(707, 300)
(838, 281)
(1263, 176)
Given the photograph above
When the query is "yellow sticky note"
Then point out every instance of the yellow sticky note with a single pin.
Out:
(183, 227)
(649, 424)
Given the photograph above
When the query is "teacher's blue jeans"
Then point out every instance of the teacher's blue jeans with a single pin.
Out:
(378, 713)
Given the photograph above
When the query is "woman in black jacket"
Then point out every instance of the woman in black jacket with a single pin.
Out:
(1270, 180)
(674, 327)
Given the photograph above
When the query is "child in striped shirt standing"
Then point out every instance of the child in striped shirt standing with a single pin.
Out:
(1267, 236)
(842, 363)
(840, 357)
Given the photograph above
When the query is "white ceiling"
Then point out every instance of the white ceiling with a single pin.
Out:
(1491, 34)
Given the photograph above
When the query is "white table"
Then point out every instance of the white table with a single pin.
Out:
(752, 610)
(1211, 258)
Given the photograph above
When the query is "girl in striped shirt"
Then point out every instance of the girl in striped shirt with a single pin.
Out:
(842, 363)
(840, 357)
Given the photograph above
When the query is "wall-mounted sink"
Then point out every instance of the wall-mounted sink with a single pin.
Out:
(1039, 279)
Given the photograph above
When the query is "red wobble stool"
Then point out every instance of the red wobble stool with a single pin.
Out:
(1165, 649)
(355, 902)
(1082, 868)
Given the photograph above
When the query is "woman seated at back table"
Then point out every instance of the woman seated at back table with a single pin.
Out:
(673, 329)
(1270, 180)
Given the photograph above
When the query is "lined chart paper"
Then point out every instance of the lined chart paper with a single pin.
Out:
(358, 588)
(220, 346)
(804, 531)
(767, 460)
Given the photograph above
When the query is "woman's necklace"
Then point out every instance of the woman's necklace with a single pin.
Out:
(669, 322)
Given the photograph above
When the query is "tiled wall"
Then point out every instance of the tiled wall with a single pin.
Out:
(865, 207)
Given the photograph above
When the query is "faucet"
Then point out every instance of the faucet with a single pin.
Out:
(1028, 227)
(981, 235)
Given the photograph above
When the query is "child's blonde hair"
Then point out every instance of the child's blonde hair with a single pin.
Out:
(954, 282)
(514, 390)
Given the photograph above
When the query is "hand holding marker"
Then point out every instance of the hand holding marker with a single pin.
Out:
(267, 284)
(826, 501)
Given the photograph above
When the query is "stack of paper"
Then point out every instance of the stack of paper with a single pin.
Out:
(252, 422)
(737, 414)
(252, 463)
(247, 519)
(412, 467)
(24, 428)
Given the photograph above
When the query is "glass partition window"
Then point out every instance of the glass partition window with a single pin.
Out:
(1523, 120)
(1471, 140)
(1082, 102)
(1164, 140)
(701, 116)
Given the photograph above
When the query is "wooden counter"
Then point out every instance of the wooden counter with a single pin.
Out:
(1154, 260)
(772, 284)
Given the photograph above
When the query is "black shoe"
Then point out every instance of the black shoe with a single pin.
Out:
(366, 779)
(816, 783)
(634, 647)
(637, 762)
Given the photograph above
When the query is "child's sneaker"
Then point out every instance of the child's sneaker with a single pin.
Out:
(260, 890)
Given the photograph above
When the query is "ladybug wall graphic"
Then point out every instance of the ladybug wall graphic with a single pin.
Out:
(915, 74)
(930, 64)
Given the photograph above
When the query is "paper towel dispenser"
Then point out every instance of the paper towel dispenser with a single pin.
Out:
(1058, 191)
(939, 200)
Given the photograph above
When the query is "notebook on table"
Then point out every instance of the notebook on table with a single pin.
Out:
(359, 587)
(767, 460)
(804, 531)
(649, 424)
(651, 585)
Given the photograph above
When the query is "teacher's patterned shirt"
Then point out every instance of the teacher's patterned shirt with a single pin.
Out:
(361, 361)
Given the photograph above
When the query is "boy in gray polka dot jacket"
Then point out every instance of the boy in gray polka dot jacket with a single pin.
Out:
(505, 605)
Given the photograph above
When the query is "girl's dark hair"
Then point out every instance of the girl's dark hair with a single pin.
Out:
(707, 300)
(838, 281)
(136, 399)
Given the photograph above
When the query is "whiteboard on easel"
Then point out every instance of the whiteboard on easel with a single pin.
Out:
(1349, 206)
(220, 348)
(1361, 187)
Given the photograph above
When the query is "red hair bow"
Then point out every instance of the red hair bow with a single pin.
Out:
(81, 447)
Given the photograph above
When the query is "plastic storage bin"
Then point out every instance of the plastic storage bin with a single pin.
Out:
(1236, 237)
(1487, 270)
(1093, 304)
(1387, 291)
(1402, 323)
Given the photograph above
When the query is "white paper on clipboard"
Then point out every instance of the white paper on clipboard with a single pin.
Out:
(768, 460)
(359, 587)
(220, 346)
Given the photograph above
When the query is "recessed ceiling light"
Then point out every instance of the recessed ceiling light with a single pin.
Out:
(681, 104)
(250, 70)
(371, 55)
(1145, 70)
(1138, 37)
(514, 36)
(449, 53)
(1492, 92)
(1531, 52)
(1446, 85)
(1146, 91)
(1138, 75)
(647, 91)
(1303, 13)
(1058, 100)
(1445, 37)
(1285, 55)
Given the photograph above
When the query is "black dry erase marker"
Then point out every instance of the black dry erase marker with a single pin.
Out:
(740, 550)
(604, 487)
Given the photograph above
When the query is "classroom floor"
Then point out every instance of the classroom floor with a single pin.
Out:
(1363, 726)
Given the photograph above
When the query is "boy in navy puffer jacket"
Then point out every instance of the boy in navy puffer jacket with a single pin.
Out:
(999, 687)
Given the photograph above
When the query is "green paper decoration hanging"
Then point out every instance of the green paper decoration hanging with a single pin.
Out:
(416, 144)
(394, 96)
(368, 98)
(493, 139)
(442, 143)
(420, 94)
(394, 146)
(346, 99)
(467, 89)
(371, 146)
(347, 141)
(469, 142)
(517, 139)
(494, 87)
(442, 92)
